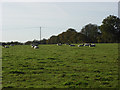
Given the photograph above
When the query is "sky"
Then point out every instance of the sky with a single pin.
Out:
(21, 21)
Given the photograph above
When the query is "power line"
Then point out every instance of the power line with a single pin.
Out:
(40, 33)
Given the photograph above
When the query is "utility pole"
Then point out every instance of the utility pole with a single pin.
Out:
(40, 33)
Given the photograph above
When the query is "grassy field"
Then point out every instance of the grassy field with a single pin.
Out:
(53, 66)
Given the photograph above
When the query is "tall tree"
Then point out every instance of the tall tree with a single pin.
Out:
(110, 29)
(68, 37)
(44, 41)
(91, 31)
(53, 40)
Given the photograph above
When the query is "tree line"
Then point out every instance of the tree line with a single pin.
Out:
(108, 32)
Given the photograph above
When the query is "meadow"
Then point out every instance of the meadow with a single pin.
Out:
(53, 66)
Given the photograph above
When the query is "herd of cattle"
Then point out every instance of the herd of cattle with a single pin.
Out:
(59, 44)
(5, 46)
(81, 45)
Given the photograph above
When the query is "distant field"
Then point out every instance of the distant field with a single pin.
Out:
(53, 66)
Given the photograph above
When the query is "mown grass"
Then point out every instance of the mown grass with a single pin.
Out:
(53, 66)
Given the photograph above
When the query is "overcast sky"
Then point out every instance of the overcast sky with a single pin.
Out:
(21, 21)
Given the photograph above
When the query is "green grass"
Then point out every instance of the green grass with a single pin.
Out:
(53, 66)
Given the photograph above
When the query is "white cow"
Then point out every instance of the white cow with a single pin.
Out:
(72, 45)
(59, 44)
(92, 45)
(36, 47)
(32, 46)
(86, 44)
(81, 45)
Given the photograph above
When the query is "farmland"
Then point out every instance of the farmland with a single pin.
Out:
(53, 66)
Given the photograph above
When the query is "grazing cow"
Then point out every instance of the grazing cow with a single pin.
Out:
(92, 45)
(36, 47)
(67, 44)
(81, 45)
(32, 46)
(86, 44)
(72, 45)
(59, 44)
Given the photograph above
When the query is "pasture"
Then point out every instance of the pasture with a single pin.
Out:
(53, 66)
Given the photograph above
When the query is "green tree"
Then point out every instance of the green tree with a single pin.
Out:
(91, 31)
(44, 41)
(110, 29)
(81, 38)
(68, 37)
(53, 40)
